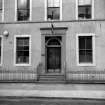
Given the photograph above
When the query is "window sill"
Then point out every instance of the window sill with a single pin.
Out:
(53, 20)
(22, 64)
(23, 21)
(84, 19)
(86, 64)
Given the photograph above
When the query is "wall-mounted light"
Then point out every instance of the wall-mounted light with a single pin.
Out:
(6, 33)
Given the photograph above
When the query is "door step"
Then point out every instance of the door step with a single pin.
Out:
(49, 78)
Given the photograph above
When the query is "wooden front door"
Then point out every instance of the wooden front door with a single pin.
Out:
(53, 56)
(53, 59)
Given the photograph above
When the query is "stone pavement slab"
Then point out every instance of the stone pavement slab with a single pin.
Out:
(33, 86)
(94, 91)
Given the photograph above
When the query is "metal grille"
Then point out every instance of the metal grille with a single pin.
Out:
(87, 76)
(16, 76)
(72, 76)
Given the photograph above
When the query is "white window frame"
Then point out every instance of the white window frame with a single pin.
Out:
(92, 11)
(93, 49)
(1, 36)
(22, 36)
(2, 12)
(46, 11)
(30, 18)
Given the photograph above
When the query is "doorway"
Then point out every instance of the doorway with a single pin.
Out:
(53, 54)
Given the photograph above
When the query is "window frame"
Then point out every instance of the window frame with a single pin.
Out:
(93, 49)
(30, 17)
(22, 36)
(46, 11)
(1, 36)
(2, 11)
(92, 11)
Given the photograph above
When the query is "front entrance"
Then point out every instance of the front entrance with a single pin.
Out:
(53, 55)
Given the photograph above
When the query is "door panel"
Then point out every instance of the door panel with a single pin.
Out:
(53, 59)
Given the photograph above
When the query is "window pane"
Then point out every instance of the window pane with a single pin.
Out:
(81, 42)
(85, 42)
(22, 59)
(53, 3)
(50, 3)
(20, 53)
(53, 42)
(84, 2)
(20, 42)
(56, 3)
(0, 4)
(23, 15)
(85, 49)
(89, 42)
(26, 48)
(22, 50)
(23, 10)
(84, 12)
(82, 56)
(89, 56)
(0, 50)
(85, 56)
(23, 4)
(0, 42)
(26, 42)
(53, 13)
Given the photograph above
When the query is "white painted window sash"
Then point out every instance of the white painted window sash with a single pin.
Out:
(60, 11)
(30, 17)
(92, 10)
(15, 38)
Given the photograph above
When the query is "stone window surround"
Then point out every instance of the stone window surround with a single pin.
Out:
(93, 49)
(22, 64)
(91, 12)
(30, 18)
(60, 11)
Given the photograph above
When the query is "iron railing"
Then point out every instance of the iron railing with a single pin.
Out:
(86, 76)
(18, 76)
(71, 76)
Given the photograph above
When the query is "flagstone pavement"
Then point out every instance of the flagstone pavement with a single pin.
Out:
(88, 91)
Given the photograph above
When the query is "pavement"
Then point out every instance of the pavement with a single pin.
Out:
(84, 91)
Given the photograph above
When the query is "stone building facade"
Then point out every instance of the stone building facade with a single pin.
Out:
(52, 41)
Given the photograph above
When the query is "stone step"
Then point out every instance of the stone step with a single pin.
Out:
(51, 79)
(50, 82)
(52, 76)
